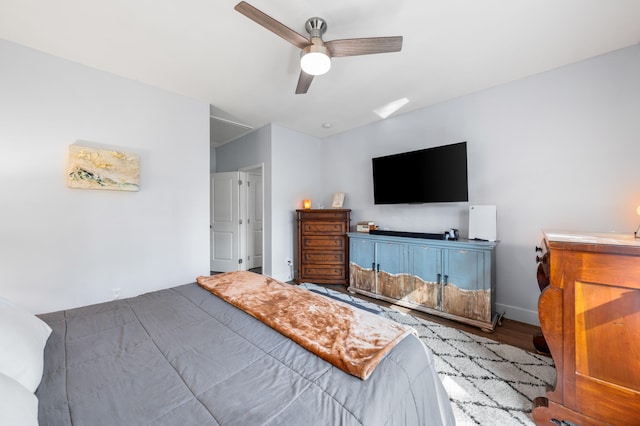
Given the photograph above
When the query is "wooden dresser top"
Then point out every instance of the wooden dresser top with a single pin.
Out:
(600, 242)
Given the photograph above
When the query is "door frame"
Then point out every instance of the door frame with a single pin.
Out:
(256, 169)
(243, 237)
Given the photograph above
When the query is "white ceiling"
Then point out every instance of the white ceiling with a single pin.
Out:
(206, 50)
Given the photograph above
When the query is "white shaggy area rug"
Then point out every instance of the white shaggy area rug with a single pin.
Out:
(488, 383)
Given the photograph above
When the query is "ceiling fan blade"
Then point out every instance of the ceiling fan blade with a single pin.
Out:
(272, 25)
(363, 46)
(304, 81)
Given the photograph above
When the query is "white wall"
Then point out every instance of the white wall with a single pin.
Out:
(558, 150)
(62, 248)
(297, 175)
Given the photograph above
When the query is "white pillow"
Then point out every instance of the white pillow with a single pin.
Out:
(22, 340)
(18, 406)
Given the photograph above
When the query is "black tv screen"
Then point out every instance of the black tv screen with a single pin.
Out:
(432, 175)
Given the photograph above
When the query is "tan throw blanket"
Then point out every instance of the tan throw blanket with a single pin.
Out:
(349, 338)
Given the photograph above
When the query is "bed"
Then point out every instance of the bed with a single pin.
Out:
(183, 356)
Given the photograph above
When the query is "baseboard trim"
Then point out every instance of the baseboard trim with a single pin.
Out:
(518, 314)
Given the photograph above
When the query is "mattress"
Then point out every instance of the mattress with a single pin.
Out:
(182, 356)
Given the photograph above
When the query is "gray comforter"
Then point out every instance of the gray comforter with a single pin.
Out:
(182, 356)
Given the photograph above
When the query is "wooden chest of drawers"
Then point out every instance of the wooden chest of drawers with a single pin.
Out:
(323, 249)
(590, 316)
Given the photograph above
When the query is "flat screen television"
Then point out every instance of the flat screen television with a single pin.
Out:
(432, 175)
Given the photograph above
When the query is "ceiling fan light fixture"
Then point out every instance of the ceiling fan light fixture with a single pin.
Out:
(315, 60)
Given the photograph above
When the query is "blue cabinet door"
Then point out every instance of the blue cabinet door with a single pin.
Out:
(361, 252)
(391, 269)
(362, 264)
(425, 276)
(466, 290)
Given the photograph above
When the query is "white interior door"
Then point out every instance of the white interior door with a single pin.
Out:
(225, 222)
(254, 219)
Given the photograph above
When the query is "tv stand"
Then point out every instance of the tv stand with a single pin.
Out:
(454, 279)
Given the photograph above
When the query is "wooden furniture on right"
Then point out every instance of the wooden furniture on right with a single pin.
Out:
(590, 318)
(451, 279)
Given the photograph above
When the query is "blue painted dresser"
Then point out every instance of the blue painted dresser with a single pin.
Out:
(452, 279)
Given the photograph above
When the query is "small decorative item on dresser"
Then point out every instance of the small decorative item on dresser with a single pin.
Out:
(365, 226)
(306, 204)
(338, 200)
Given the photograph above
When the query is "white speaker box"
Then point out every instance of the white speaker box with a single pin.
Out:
(482, 223)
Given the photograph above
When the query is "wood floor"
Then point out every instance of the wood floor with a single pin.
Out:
(511, 332)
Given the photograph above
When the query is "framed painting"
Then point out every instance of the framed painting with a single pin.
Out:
(91, 168)
(338, 200)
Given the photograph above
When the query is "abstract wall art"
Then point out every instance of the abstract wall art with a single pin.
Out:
(91, 168)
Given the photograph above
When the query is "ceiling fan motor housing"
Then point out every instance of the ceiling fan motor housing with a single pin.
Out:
(315, 59)
(316, 27)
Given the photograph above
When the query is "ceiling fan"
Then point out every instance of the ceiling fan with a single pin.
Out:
(316, 54)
